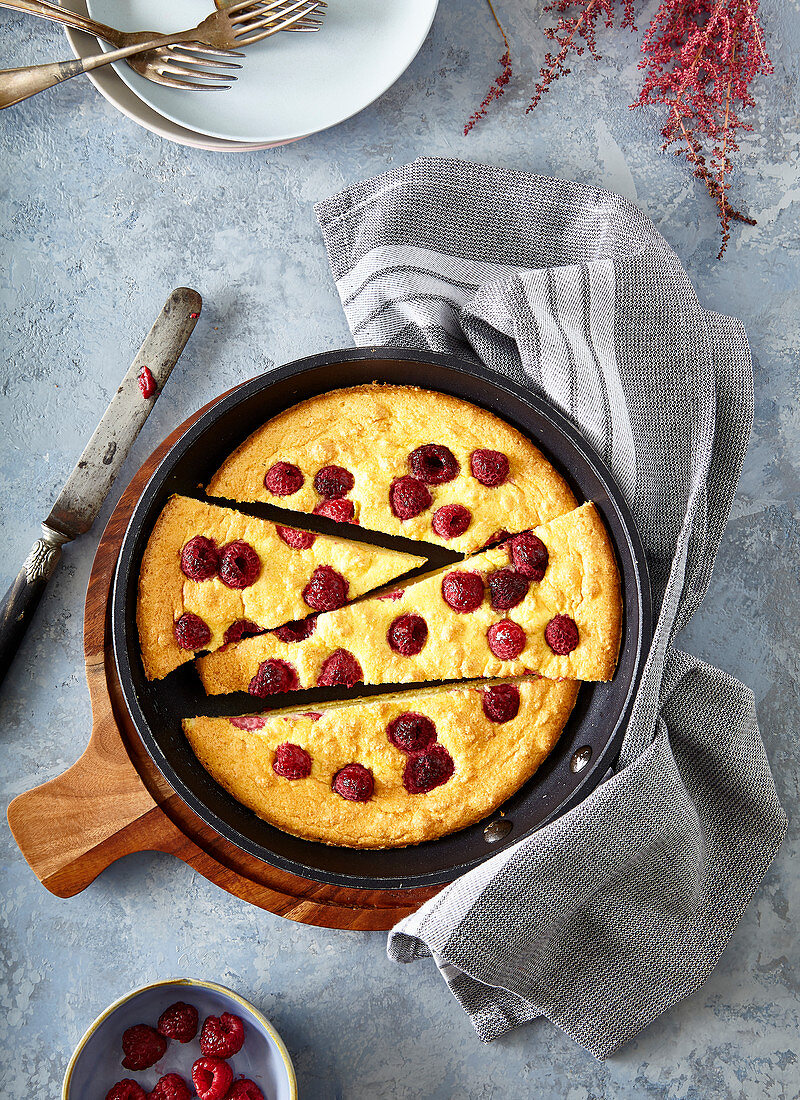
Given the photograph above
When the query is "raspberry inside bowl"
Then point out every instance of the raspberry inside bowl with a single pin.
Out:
(96, 1065)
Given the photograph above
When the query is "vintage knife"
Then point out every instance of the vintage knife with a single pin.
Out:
(87, 486)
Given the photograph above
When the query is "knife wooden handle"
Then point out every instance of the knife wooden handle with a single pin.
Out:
(22, 598)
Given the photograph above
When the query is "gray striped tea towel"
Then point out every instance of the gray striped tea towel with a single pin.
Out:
(609, 915)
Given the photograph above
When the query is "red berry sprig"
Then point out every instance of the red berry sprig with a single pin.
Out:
(701, 56)
(498, 87)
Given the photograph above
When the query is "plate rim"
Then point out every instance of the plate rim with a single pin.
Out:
(123, 72)
(606, 757)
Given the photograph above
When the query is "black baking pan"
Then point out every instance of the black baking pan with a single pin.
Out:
(590, 743)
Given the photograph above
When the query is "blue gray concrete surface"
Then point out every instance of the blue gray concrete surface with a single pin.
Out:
(100, 219)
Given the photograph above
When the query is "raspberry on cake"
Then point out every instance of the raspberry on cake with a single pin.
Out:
(392, 770)
(211, 576)
(490, 617)
(400, 460)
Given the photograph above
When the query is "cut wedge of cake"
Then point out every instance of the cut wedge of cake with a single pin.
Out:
(211, 574)
(390, 771)
(400, 460)
(545, 602)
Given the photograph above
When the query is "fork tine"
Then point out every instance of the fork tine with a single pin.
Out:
(264, 28)
(266, 18)
(188, 85)
(180, 70)
(183, 57)
(201, 50)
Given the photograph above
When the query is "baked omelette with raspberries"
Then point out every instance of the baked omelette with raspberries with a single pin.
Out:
(533, 608)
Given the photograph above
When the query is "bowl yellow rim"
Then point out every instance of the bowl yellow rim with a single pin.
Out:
(262, 1019)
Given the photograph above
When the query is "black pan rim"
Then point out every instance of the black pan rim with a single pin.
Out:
(601, 763)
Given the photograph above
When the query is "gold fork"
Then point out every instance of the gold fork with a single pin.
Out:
(165, 65)
(239, 24)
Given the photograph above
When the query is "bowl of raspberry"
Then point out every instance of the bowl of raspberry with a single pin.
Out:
(180, 1039)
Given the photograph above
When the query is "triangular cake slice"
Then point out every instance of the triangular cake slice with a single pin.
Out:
(546, 601)
(391, 771)
(400, 460)
(211, 574)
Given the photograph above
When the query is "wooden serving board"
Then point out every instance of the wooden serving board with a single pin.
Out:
(114, 801)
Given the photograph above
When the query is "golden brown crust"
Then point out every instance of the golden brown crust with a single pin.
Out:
(492, 761)
(275, 598)
(371, 430)
(581, 581)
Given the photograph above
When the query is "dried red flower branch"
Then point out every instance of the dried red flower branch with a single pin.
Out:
(498, 87)
(574, 34)
(701, 57)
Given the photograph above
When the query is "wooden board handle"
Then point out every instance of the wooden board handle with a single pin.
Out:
(71, 828)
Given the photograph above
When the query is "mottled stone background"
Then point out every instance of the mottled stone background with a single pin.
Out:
(100, 219)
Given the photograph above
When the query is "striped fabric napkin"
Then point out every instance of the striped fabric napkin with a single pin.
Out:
(608, 916)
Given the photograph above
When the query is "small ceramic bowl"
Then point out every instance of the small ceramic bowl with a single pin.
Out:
(96, 1064)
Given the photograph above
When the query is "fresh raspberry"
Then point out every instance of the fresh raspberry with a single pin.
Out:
(529, 555)
(326, 590)
(463, 591)
(340, 511)
(333, 482)
(298, 540)
(506, 639)
(297, 631)
(283, 479)
(127, 1089)
(501, 703)
(239, 564)
(143, 1047)
(147, 384)
(561, 634)
(191, 632)
(200, 558)
(507, 588)
(407, 635)
(490, 468)
(411, 732)
(498, 536)
(223, 1036)
(211, 1078)
(354, 782)
(170, 1087)
(427, 770)
(290, 762)
(273, 676)
(451, 520)
(433, 464)
(242, 628)
(340, 668)
(408, 497)
(179, 1021)
(245, 1089)
(248, 722)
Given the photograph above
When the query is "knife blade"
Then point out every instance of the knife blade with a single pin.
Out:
(87, 486)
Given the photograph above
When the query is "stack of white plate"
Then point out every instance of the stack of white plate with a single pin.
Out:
(290, 85)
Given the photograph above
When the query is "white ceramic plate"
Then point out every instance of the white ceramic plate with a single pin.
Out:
(119, 95)
(291, 85)
(96, 1064)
